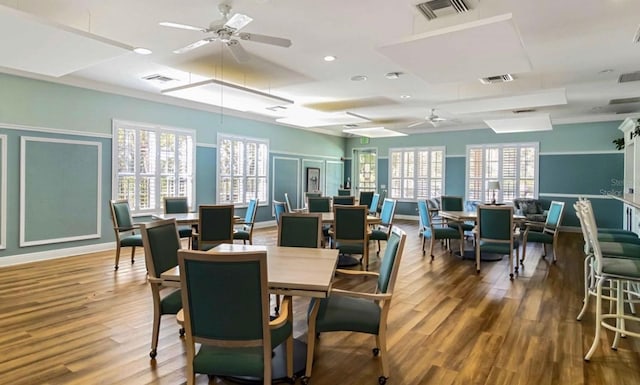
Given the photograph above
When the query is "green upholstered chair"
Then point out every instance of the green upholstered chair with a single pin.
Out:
(365, 198)
(215, 225)
(308, 195)
(319, 204)
(125, 229)
(548, 234)
(344, 192)
(350, 233)
(279, 208)
(381, 231)
(246, 232)
(620, 274)
(373, 207)
(430, 231)
(344, 200)
(361, 312)
(300, 230)
(495, 234)
(225, 299)
(179, 205)
(161, 244)
(455, 203)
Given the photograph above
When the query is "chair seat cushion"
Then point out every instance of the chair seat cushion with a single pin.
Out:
(341, 313)
(378, 235)
(612, 237)
(350, 248)
(171, 304)
(617, 231)
(241, 234)
(184, 231)
(221, 361)
(465, 226)
(442, 233)
(539, 237)
(619, 249)
(131, 240)
(497, 247)
(621, 267)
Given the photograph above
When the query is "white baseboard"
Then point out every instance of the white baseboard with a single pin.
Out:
(53, 254)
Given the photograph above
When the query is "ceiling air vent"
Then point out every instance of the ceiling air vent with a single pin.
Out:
(524, 111)
(629, 77)
(624, 100)
(438, 8)
(158, 78)
(497, 79)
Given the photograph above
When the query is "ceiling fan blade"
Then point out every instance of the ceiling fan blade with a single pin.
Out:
(238, 51)
(416, 124)
(182, 26)
(193, 46)
(238, 21)
(265, 39)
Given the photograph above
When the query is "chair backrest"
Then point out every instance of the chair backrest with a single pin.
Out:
(388, 212)
(234, 283)
(288, 203)
(423, 213)
(250, 214)
(279, 208)
(495, 223)
(350, 223)
(390, 263)
(312, 194)
(215, 224)
(585, 235)
(373, 206)
(319, 204)
(589, 221)
(300, 230)
(344, 200)
(365, 198)
(176, 205)
(451, 203)
(121, 216)
(344, 192)
(554, 216)
(161, 244)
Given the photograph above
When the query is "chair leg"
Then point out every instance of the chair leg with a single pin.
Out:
(423, 241)
(382, 346)
(524, 249)
(431, 247)
(133, 254)
(378, 247)
(117, 256)
(478, 259)
(311, 337)
(555, 251)
(596, 338)
(155, 333)
(544, 249)
(587, 283)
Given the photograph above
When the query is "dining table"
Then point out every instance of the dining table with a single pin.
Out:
(190, 218)
(292, 271)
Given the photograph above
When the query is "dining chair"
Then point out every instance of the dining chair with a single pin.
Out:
(430, 231)
(321, 205)
(127, 233)
(344, 192)
(455, 203)
(300, 230)
(161, 244)
(215, 225)
(246, 232)
(381, 232)
(546, 235)
(351, 234)
(179, 205)
(361, 312)
(279, 208)
(365, 198)
(290, 208)
(373, 207)
(495, 234)
(344, 200)
(225, 299)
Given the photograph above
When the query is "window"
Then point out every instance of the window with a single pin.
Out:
(514, 166)
(366, 169)
(242, 169)
(416, 173)
(150, 163)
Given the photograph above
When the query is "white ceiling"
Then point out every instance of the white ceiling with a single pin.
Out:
(579, 47)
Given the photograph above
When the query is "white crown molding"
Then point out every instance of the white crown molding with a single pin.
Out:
(22, 127)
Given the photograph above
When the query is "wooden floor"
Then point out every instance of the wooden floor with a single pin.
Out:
(77, 321)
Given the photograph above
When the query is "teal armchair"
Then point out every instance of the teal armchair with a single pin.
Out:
(215, 225)
(495, 234)
(246, 232)
(178, 205)
(127, 233)
(547, 234)
(381, 232)
(432, 232)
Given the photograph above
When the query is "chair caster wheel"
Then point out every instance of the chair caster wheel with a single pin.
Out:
(153, 353)
(382, 380)
(304, 380)
(181, 331)
(115, 268)
(376, 352)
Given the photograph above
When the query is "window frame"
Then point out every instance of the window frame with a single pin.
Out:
(415, 178)
(245, 140)
(158, 174)
(485, 195)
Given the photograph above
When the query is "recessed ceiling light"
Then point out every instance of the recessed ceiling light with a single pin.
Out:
(329, 58)
(142, 51)
(606, 71)
(405, 96)
(359, 78)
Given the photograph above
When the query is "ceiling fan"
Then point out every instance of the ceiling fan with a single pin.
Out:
(432, 118)
(228, 32)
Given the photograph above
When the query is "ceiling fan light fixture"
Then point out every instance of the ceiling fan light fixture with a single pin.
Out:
(142, 51)
(330, 58)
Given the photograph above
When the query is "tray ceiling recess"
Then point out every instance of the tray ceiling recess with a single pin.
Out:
(463, 52)
(43, 47)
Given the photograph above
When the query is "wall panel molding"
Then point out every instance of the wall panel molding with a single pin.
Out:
(277, 159)
(3, 192)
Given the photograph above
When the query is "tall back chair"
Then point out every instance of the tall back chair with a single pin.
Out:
(373, 206)
(365, 198)
(429, 231)
(161, 244)
(279, 208)
(455, 203)
(300, 230)
(495, 234)
(225, 298)
(124, 228)
(381, 232)
(308, 195)
(344, 192)
(360, 312)
(319, 204)
(179, 205)
(344, 200)
(351, 233)
(246, 232)
(215, 225)
(548, 234)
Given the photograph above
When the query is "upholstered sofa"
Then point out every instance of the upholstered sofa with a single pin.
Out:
(534, 209)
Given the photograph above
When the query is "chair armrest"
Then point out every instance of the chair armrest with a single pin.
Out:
(359, 294)
(131, 228)
(357, 273)
(285, 312)
(533, 225)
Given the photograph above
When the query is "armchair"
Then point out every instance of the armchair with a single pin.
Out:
(124, 228)
(176, 205)
(382, 231)
(215, 225)
(246, 233)
(495, 234)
